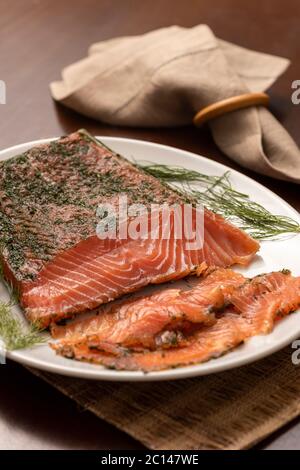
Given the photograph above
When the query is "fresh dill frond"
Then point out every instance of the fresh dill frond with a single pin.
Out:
(13, 333)
(217, 194)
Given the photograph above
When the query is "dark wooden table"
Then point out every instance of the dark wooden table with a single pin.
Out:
(37, 39)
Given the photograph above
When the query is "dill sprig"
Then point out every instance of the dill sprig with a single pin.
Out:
(13, 333)
(217, 194)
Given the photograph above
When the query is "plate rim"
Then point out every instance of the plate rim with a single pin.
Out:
(195, 370)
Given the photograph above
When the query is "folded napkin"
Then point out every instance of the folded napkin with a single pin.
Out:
(163, 78)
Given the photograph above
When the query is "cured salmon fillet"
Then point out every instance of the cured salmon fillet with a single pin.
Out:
(75, 282)
(49, 248)
(137, 322)
(254, 308)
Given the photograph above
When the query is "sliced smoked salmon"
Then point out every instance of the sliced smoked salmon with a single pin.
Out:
(138, 322)
(265, 299)
(48, 216)
(254, 308)
(204, 344)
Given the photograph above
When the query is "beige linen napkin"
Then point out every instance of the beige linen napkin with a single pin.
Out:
(164, 77)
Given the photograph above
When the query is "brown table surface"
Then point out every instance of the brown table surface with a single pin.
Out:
(38, 38)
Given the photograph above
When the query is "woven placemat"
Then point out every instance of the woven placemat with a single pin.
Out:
(229, 410)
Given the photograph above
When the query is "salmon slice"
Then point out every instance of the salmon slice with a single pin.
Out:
(137, 322)
(255, 307)
(48, 218)
(265, 299)
(204, 344)
(74, 282)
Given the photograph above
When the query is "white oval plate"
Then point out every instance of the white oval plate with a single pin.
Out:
(274, 255)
